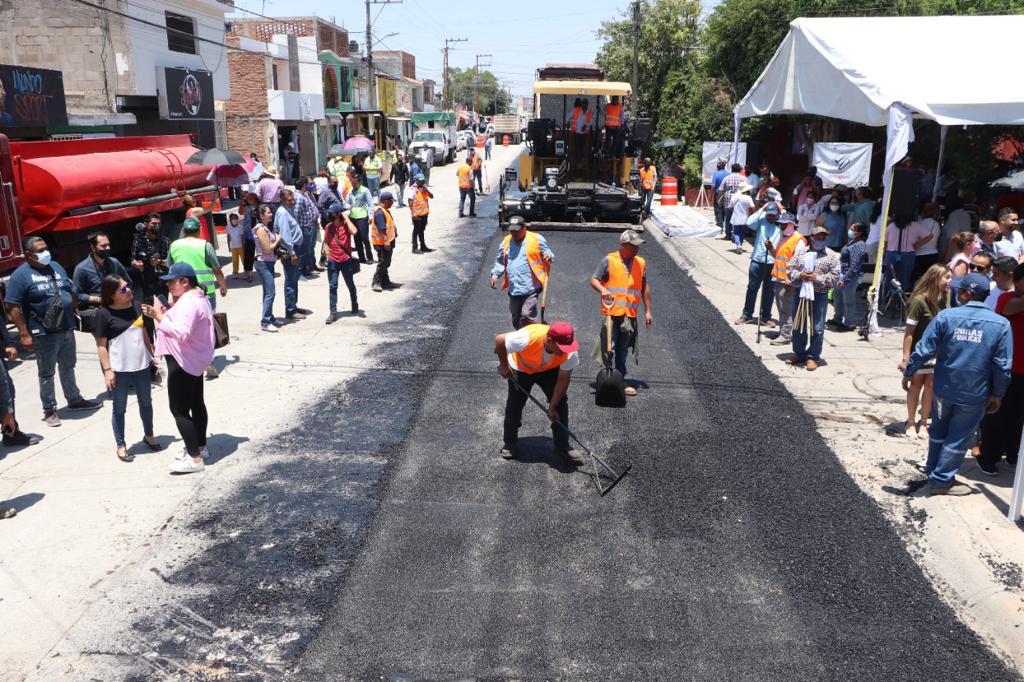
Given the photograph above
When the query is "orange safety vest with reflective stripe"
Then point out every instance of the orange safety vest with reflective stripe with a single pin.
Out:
(647, 177)
(476, 163)
(784, 254)
(465, 176)
(419, 203)
(576, 115)
(531, 359)
(613, 116)
(388, 235)
(533, 256)
(625, 285)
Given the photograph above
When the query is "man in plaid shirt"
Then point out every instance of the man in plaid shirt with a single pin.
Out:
(308, 217)
(728, 187)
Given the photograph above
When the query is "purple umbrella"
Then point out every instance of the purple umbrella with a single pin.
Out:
(358, 143)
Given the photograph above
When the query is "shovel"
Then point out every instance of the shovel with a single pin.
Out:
(605, 477)
(544, 299)
(611, 385)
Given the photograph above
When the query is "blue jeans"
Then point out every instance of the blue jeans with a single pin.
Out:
(811, 348)
(950, 435)
(620, 344)
(903, 265)
(646, 197)
(307, 261)
(739, 233)
(467, 192)
(55, 351)
(212, 298)
(759, 275)
(265, 271)
(373, 184)
(122, 381)
(845, 301)
(291, 286)
(345, 269)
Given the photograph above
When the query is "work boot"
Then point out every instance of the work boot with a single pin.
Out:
(19, 439)
(508, 451)
(571, 453)
(415, 250)
(424, 249)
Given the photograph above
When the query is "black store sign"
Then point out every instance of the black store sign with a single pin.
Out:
(31, 97)
(189, 94)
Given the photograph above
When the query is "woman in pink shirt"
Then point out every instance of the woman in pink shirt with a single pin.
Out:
(184, 336)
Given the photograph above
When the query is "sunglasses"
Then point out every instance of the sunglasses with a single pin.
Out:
(974, 267)
(126, 288)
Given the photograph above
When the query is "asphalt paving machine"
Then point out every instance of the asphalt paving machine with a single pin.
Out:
(567, 181)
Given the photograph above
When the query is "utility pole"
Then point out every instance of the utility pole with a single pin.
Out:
(476, 83)
(447, 88)
(634, 100)
(371, 80)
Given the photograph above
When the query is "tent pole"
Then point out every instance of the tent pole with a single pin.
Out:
(942, 157)
(875, 290)
(735, 135)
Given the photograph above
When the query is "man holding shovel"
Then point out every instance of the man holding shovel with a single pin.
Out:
(621, 280)
(546, 356)
(524, 259)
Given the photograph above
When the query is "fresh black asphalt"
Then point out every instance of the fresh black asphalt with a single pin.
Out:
(736, 548)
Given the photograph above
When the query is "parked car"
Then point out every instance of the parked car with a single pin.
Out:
(439, 142)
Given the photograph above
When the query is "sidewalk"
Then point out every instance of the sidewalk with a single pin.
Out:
(964, 543)
(96, 542)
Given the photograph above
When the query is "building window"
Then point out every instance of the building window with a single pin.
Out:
(181, 33)
(330, 88)
(273, 76)
(345, 85)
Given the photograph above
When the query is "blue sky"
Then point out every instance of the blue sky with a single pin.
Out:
(526, 36)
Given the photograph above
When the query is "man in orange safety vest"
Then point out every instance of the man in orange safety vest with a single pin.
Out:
(524, 260)
(621, 280)
(542, 355)
(466, 188)
(612, 122)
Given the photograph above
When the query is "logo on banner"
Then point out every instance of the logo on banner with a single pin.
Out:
(842, 163)
(191, 95)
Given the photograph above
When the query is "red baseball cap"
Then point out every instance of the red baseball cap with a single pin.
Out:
(564, 337)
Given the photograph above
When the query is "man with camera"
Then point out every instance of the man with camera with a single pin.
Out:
(41, 300)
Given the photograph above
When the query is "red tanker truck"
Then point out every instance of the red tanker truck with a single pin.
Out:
(62, 190)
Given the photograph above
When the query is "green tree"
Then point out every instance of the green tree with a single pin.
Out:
(467, 86)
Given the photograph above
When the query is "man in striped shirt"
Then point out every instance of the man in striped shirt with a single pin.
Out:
(730, 183)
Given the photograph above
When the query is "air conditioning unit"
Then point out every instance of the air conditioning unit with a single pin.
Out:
(353, 47)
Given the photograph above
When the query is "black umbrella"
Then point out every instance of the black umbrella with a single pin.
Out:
(1013, 182)
(215, 157)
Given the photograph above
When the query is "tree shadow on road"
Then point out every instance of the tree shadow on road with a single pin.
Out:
(23, 502)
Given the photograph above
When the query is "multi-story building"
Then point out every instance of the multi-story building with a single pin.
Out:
(122, 68)
(293, 76)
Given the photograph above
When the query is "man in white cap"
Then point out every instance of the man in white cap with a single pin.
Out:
(621, 280)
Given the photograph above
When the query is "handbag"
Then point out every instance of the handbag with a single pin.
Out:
(221, 337)
(87, 320)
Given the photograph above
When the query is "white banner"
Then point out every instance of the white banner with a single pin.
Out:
(842, 163)
(713, 151)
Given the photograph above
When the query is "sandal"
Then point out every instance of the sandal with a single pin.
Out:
(155, 446)
(922, 429)
(907, 426)
(126, 457)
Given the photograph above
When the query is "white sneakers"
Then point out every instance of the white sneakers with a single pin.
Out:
(184, 464)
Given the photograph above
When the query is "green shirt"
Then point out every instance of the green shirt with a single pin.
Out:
(361, 201)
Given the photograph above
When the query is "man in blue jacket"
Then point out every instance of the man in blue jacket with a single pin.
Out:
(973, 351)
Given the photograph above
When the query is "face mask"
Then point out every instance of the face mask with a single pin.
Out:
(310, 188)
(44, 257)
(834, 207)
(819, 244)
(788, 230)
(851, 235)
(103, 254)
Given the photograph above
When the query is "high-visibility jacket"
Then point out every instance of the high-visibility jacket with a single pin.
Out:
(346, 188)
(576, 113)
(465, 176)
(613, 115)
(419, 202)
(383, 237)
(784, 254)
(476, 163)
(193, 251)
(534, 257)
(647, 176)
(372, 166)
(531, 359)
(337, 168)
(626, 286)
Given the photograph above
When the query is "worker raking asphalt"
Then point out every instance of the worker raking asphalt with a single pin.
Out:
(737, 547)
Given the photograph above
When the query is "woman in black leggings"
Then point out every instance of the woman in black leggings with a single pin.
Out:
(184, 336)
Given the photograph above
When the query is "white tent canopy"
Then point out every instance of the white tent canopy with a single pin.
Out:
(952, 70)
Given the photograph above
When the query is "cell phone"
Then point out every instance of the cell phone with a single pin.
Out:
(163, 301)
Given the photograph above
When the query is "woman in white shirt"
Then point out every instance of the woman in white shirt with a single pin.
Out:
(126, 354)
(807, 214)
(927, 254)
(742, 207)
